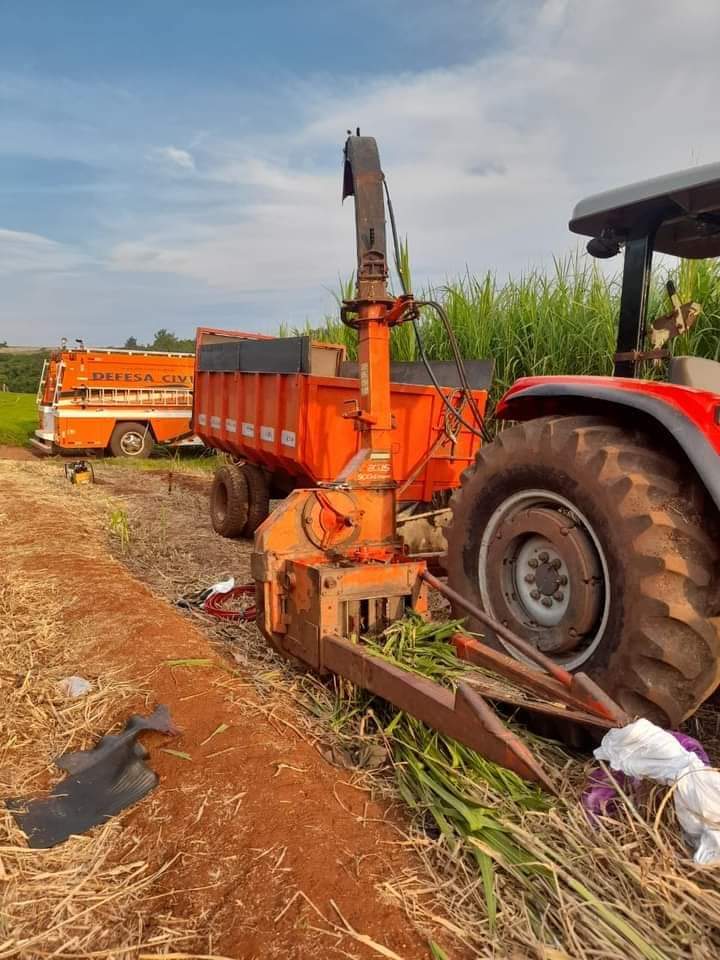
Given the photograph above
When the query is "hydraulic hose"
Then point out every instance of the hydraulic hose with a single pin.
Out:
(215, 604)
(481, 433)
(480, 430)
(462, 373)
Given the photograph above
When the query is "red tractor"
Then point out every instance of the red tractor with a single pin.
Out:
(590, 527)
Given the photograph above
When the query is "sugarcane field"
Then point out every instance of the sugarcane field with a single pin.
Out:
(359, 481)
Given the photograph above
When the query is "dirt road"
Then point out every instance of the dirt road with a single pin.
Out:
(273, 851)
(15, 453)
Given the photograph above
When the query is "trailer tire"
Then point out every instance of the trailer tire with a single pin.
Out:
(131, 440)
(229, 503)
(601, 520)
(258, 496)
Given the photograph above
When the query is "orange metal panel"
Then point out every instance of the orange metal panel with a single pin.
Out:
(169, 428)
(88, 434)
(117, 368)
(293, 424)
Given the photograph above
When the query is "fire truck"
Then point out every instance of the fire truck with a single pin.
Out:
(120, 401)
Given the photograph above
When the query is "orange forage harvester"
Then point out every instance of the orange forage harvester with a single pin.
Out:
(352, 441)
(122, 400)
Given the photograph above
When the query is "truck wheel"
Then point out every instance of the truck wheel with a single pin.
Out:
(589, 540)
(229, 502)
(259, 497)
(131, 440)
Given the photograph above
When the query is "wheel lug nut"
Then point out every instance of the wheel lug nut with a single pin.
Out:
(532, 563)
(546, 601)
(563, 581)
(543, 557)
(556, 564)
(535, 594)
(559, 595)
(529, 578)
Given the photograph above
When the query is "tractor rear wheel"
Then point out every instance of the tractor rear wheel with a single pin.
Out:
(229, 501)
(587, 539)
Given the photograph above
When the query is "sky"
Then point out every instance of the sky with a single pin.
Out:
(168, 164)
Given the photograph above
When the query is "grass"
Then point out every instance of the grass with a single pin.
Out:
(18, 418)
(558, 322)
(165, 458)
(119, 526)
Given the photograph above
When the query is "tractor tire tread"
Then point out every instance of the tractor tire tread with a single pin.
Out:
(229, 503)
(258, 498)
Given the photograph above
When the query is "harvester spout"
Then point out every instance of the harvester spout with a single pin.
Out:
(363, 180)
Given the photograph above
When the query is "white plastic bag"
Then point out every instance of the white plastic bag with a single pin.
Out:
(641, 749)
(223, 586)
(75, 686)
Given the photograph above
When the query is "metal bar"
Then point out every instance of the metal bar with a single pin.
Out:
(417, 469)
(591, 704)
(635, 355)
(43, 380)
(473, 650)
(633, 301)
(558, 712)
(522, 646)
(463, 715)
(588, 692)
(421, 516)
(59, 370)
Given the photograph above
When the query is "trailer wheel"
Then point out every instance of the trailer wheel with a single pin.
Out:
(131, 440)
(259, 498)
(229, 502)
(589, 540)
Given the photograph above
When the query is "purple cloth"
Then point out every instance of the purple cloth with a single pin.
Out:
(692, 745)
(600, 797)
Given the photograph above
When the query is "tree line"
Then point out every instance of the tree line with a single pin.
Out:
(164, 340)
(20, 372)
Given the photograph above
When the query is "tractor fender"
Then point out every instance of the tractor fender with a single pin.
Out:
(538, 399)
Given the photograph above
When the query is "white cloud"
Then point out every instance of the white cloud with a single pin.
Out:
(31, 253)
(173, 157)
(485, 160)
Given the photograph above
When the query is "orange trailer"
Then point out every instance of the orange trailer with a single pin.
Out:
(121, 400)
(288, 406)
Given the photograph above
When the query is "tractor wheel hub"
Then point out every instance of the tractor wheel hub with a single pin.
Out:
(541, 574)
(540, 583)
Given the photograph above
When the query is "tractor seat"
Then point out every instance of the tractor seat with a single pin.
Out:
(695, 372)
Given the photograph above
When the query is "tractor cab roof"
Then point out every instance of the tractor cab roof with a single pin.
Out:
(682, 208)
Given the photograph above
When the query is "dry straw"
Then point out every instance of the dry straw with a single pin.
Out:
(85, 898)
(499, 871)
